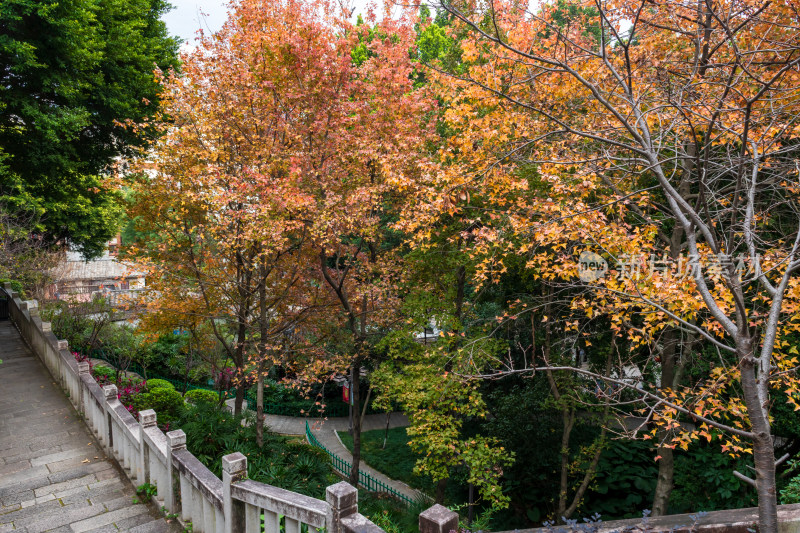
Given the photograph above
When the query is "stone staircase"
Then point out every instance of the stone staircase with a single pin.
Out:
(54, 475)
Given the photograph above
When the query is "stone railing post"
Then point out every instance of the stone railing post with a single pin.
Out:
(147, 420)
(83, 370)
(176, 440)
(234, 468)
(438, 519)
(111, 395)
(343, 500)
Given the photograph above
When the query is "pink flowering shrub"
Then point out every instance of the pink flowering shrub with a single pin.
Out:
(128, 389)
(81, 358)
(127, 393)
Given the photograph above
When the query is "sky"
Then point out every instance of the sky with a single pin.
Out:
(190, 15)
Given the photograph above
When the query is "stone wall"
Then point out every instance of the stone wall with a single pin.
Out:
(184, 485)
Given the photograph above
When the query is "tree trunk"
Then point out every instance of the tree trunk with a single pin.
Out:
(665, 483)
(441, 487)
(188, 368)
(237, 404)
(386, 433)
(263, 334)
(666, 463)
(764, 457)
(260, 410)
(364, 409)
(763, 451)
(355, 393)
(568, 421)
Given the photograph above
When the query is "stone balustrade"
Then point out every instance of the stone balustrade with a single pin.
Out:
(184, 485)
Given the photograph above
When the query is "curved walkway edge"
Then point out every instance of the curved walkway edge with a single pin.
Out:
(330, 439)
(325, 429)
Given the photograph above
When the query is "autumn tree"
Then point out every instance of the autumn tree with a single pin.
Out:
(292, 129)
(657, 129)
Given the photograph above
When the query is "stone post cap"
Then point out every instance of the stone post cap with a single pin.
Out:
(357, 523)
(83, 367)
(7, 285)
(47, 326)
(147, 418)
(176, 439)
(341, 495)
(110, 392)
(234, 463)
(63, 345)
(438, 519)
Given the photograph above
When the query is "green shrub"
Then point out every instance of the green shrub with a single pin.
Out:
(791, 493)
(626, 480)
(166, 402)
(104, 374)
(704, 480)
(153, 384)
(197, 396)
(16, 286)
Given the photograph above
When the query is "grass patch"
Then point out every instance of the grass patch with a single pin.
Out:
(389, 514)
(396, 461)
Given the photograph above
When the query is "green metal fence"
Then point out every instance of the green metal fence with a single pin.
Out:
(364, 479)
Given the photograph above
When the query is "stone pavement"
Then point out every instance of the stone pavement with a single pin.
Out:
(54, 475)
(325, 429)
(291, 425)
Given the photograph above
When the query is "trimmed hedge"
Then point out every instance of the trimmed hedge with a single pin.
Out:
(153, 384)
(167, 403)
(197, 396)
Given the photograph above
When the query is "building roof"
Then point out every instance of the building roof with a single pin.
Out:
(98, 269)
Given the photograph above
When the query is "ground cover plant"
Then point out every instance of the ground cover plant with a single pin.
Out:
(289, 463)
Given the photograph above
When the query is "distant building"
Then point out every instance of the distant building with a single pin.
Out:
(428, 335)
(78, 280)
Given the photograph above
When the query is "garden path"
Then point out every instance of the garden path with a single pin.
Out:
(54, 475)
(325, 429)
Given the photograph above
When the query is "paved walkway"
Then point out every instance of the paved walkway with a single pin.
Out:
(325, 432)
(54, 475)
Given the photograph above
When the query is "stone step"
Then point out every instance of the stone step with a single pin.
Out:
(156, 526)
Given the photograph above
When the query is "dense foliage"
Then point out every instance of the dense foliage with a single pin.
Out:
(71, 73)
(562, 238)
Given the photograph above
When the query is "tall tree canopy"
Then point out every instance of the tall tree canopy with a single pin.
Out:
(656, 130)
(71, 72)
(291, 129)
